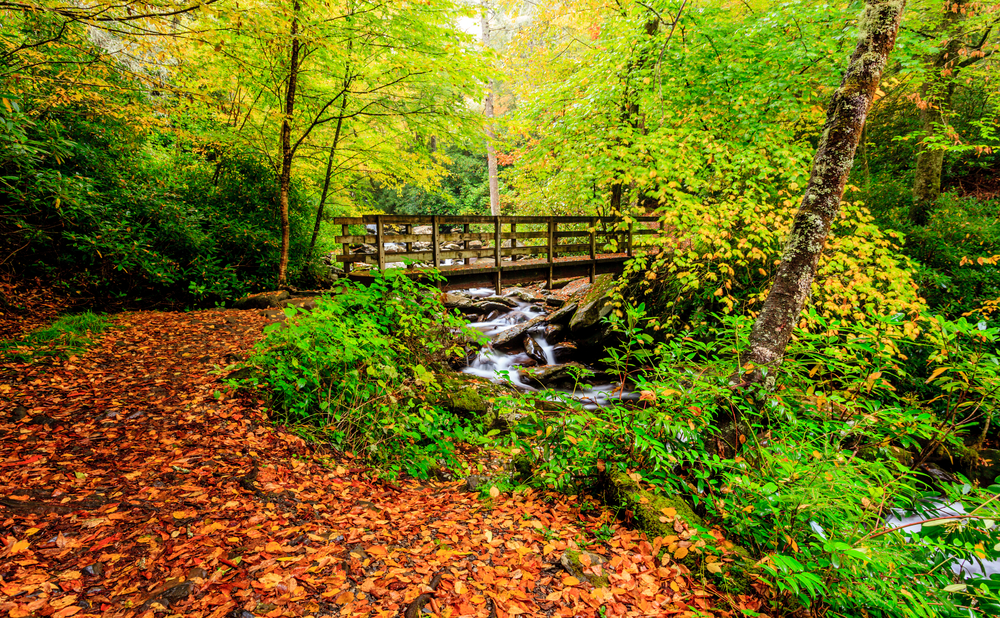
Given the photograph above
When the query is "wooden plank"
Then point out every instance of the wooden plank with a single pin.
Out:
(551, 248)
(379, 245)
(356, 239)
(524, 235)
(630, 224)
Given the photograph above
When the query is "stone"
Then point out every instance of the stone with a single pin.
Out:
(558, 284)
(423, 229)
(532, 349)
(565, 352)
(595, 304)
(512, 304)
(451, 300)
(554, 333)
(562, 316)
(523, 295)
(512, 336)
(263, 300)
(567, 375)
(573, 560)
(555, 301)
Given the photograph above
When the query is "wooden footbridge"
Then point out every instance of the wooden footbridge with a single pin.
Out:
(491, 251)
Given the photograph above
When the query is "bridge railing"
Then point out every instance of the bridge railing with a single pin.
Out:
(446, 241)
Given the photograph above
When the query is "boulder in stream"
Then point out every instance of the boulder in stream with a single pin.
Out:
(567, 375)
(565, 352)
(534, 350)
(512, 336)
(595, 304)
(563, 315)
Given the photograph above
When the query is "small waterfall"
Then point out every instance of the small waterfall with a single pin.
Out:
(498, 365)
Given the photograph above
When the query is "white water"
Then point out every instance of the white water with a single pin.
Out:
(499, 366)
(965, 568)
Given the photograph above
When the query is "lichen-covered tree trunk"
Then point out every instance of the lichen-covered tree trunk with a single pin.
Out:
(491, 155)
(287, 153)
(820, 205)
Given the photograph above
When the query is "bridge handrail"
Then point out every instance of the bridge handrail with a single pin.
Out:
(616, 232)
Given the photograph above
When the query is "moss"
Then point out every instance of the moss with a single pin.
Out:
(572, 563)
(647, 511)
(466, 396)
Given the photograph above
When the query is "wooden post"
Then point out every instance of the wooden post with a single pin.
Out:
(379, 247)
(408, 229)
(346, 248)
(551, 247)
(593, 249)
(630, 238)
(496, 253)
(435, 248)
(513, 241)
(465, 243)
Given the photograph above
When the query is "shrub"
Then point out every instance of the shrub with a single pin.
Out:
(356, 371)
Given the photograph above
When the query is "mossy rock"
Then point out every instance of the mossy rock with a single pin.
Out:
(571, 561)
(595, 304)
(468, 396)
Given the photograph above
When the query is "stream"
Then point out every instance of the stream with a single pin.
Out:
(501, 366)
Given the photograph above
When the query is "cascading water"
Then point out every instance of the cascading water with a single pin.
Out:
(500, 366)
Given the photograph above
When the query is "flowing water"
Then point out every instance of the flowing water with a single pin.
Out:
(500, 366)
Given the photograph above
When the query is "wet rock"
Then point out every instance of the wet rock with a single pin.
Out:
(488, 306)
(523, 295)
(562, 316)
(555, 301)
(567, 375)
(595, 305)
(263, 300)
(466, 395)
(507, 302)
(494, 315)
(513, 336)
(554, 333)
(523, 360)
(565, 352)
(534, 350)
(452, 300)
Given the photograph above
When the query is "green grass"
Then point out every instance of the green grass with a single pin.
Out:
(69, 335)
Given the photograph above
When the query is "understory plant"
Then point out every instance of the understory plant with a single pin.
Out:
(357, 372)
(814, 476)
(69, 335)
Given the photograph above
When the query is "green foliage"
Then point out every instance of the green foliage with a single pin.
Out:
(464, 189)
(360, 367)
(69, 335)
(805, 475)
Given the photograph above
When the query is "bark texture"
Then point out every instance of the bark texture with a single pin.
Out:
(287, 153)
(820, 205)
(491, 155)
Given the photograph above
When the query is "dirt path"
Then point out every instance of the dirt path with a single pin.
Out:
(129, 485)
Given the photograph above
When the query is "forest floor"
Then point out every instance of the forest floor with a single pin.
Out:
(133, 484)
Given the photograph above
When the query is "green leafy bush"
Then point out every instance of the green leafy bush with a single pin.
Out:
(356, 371)
(804, 476)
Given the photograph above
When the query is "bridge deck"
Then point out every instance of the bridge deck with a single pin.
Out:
(492, 251)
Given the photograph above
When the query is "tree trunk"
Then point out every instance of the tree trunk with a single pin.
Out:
(285, 177)
(329, 163)
(491, 155)
(935, 99)
(820, 206)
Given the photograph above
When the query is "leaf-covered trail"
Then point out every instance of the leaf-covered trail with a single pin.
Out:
(128, 487)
